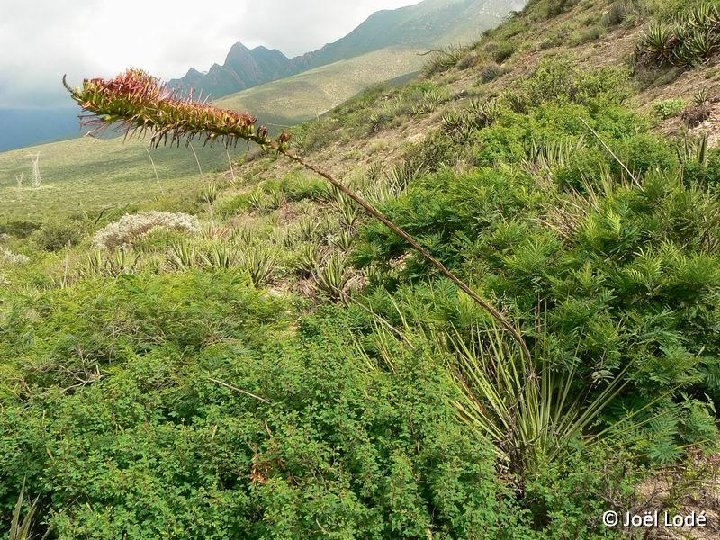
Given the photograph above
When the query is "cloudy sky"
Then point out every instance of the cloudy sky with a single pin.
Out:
(40, 40)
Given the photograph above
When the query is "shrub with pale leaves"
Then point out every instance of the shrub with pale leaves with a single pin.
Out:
(134, 226)
(13, 258)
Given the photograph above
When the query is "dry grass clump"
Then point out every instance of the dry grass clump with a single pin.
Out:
(134, 226)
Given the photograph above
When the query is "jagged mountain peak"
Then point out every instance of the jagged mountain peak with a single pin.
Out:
(417, 26)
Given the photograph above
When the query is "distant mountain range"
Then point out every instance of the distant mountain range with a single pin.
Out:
(428, 24)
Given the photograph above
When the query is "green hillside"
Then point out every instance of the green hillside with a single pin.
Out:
(420, 26)
(87, 175)
(295, 99)
(253, 356)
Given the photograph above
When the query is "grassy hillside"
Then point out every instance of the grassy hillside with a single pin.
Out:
(275, 364)
(303, 97)
(87, 175)
(419, 26)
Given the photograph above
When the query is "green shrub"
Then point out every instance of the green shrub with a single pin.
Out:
(56, 235)
(586, 35)
(491, 72)
(617, 13)
(669, 108)
(19, 228)
(500, 51)
(562, 495)
(624, 276)
(297, 439)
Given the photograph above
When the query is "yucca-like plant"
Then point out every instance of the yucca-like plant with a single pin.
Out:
(308, 227)
(139, 104)
(332, 276)
(483, 113)
(241, 235)
(702, 16)
(219, 257)
(342, 240)
(692, 38)
(181, 256)
(307, 259)
(257, 201)
(261, 265)
(455, 124)
(21, 527)
(116, 264)
(527, 412)
(696, 47)
(380, 191)
(347, 210)
(210, 193)
(693, 150)
(549, 155)
(656, 45)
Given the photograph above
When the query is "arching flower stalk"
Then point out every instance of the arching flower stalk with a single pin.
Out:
(139, 103)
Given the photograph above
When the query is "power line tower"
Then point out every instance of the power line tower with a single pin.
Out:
(36, 177)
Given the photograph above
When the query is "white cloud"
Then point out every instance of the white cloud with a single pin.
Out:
(41, 40)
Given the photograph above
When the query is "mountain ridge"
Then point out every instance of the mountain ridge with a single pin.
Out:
(426, 24)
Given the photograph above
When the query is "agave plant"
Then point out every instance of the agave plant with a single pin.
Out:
(692, 38)
(552, 154)
(348, 211)
(120, 263)
(694, 150)
(219, 256)
(332, 276)
(342, 240)
(307, 260)
(528, 413)
(696, 47)
(308, 227)
(483, 113)
(139, 103)
(210, 193)
(702, 16)
(260, 264)
(656, 46)
(21, 527)
(181, 256)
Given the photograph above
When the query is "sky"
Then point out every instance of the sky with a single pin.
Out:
(40, 40)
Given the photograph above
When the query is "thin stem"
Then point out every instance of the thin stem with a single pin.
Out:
(370, 209)
(599, 138)
(157, 176)
(196, 159)
(232, 172)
